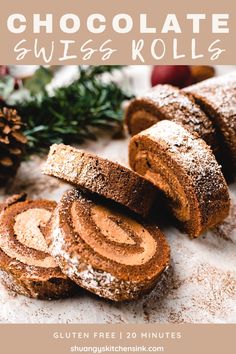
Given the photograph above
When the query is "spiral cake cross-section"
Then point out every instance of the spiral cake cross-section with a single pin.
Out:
(103, 250)
(25, 265)
(169, 103)
(181, 164)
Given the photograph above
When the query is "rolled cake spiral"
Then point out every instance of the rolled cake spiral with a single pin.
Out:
(103, 250)
(25, 265)
(184, 168)
(101, 176)
(168, 102)
(217, 98)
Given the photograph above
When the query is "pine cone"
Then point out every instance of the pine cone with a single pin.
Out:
(12, 144)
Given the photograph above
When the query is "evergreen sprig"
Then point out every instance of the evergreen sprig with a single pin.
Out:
(72, 113)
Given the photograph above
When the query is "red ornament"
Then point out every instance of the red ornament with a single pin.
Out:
(176, 75)
(4, 70)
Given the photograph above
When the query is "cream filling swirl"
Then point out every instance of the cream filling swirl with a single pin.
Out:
(156, 171)
(113, 227)
(27, 232)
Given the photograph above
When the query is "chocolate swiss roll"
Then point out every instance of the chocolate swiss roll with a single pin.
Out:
(184, 168)
(217, 98)
(101, 176)
(168, 102)
(103, 250)
(25, 265)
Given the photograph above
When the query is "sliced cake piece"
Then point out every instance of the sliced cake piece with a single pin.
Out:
(25, 265)
(184, 168)
(103, 250)
(101, 176)
(217, 98)
(170, 103)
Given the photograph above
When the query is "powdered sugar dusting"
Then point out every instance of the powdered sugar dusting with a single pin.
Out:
(202, 289)
(220, 95)
(73, 265)
(187, 298)
(190, 151)
(101, 176)
(88, 277)
(173, 104)
(220, 92)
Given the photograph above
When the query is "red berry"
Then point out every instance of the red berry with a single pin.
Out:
(176, 75)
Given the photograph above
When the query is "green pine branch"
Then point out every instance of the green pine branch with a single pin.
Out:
(70, 115)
